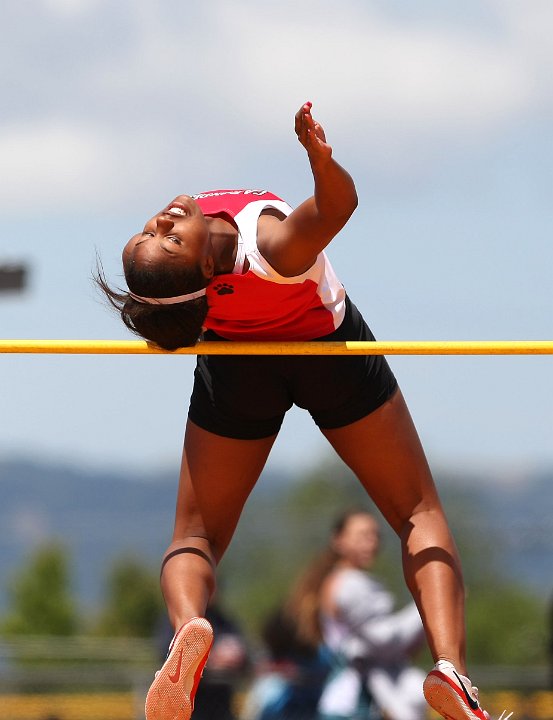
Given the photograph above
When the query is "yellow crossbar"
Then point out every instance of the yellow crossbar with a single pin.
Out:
(392, 347)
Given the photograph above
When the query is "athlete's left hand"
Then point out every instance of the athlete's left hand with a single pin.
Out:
(311, 135)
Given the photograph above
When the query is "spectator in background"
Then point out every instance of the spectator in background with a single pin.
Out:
(337, 602)
(289, 681)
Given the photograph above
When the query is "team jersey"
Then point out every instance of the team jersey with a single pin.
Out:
(261, 304)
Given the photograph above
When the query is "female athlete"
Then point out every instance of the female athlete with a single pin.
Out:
(242, 265)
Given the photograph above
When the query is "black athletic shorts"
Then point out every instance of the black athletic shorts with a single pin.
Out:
(247, 396)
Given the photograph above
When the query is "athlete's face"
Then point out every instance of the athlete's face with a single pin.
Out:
(358, 542)
(178, 234)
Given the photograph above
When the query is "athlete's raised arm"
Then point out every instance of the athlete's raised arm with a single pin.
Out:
(292, 245)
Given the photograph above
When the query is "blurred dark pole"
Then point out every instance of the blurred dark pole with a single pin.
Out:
(13, 277)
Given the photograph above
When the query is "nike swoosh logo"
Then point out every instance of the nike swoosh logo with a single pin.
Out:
(174, 678)
(473, 704)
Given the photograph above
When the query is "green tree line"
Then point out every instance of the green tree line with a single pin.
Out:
(41, 600)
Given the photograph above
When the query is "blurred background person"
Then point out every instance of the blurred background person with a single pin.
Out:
(290, 677)
(339, 604)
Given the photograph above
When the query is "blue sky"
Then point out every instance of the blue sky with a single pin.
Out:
(442, 112)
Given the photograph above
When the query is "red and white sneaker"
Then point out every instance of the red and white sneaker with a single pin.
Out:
(171, 695)
(453, 695)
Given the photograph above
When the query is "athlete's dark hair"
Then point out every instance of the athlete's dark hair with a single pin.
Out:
(168, 326)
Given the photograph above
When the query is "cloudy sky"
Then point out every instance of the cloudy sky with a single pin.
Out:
(442, 112)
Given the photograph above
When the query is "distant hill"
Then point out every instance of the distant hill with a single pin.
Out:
(100, 516)
(97, 516)
(519, 513)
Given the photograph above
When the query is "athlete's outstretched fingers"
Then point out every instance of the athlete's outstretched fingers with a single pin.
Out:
(304, 110)
(312, 136)
(302, 122)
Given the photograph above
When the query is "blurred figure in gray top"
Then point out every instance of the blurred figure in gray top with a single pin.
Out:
(353, 615)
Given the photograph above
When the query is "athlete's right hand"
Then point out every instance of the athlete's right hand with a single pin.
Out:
(311, 135)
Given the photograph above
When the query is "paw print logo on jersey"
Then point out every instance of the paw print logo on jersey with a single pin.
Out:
(224, 289)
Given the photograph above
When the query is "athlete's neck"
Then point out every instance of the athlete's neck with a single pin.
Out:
(224, 241)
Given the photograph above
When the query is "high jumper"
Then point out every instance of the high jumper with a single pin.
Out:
(242, 265)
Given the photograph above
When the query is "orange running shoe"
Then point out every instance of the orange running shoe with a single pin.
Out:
(453, 695)
(171, 695)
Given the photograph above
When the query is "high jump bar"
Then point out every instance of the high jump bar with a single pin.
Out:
(392, 347)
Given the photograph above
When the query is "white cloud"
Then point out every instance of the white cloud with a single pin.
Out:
(203, 80)
(380, 78)
(49, 163)
(69, 9)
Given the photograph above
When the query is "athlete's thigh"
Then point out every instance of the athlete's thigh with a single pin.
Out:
(384, 451)
(217, 475)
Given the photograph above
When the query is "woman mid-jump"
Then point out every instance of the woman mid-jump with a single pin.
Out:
(243, 265)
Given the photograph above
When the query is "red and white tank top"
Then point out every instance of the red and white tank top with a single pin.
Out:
(260, 304)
